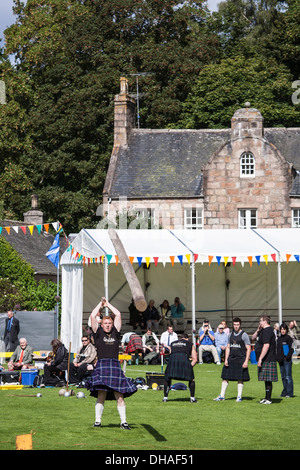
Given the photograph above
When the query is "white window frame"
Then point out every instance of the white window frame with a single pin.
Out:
(193, 218)
(296, 218)
(247, 165)
(246, 217)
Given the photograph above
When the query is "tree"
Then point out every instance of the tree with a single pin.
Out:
(73, 53)
(223, 88)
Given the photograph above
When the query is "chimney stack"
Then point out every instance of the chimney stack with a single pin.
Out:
(34, 216)
(124, 115)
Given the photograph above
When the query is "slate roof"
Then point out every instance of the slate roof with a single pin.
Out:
(31, 247)
(168, 163)
(165, 163)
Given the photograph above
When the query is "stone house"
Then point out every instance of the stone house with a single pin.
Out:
(244, 177)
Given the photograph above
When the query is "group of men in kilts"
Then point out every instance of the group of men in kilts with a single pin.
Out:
(109, 382)
(237, 355)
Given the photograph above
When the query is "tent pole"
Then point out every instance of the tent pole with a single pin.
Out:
(279, 290)
(193, 303)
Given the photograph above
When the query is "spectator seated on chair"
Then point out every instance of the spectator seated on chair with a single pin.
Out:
(86, 356)
(56, 365)
(206, 342)
(22, 357)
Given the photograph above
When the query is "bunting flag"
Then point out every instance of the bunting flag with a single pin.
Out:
(226, 260)
(265, 257)
(288, 258)
(56, 225)
(210, 258)
(258, 260)
(250, 260)
(233, 260)
(147, 261)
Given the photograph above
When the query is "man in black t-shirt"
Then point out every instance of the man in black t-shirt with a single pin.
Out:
(265, 349)
(108, 380)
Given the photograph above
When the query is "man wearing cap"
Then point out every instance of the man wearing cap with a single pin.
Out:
(221, 340)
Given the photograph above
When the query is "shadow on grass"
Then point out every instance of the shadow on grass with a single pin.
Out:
(157, 436)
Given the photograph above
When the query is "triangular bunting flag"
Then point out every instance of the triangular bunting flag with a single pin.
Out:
(297, 257)
(139, 258)
(39, 228)
(195, 257)
(188, 257)
(55, 225)
(258, 260)
(226, 260)
(233, 260)
(23, 228)
(288, 258)
(180, 258)
(31, 227)
(210, 258)
(46, 227)
(7, 229)
(108, 257)
(16, 229)
(155, 260)
(117, 260)
(131, 258)
(147, 258)
(265, 257)
(218, 259)
(250, 260)
(274, 257)
(0, 230)
(172, 258)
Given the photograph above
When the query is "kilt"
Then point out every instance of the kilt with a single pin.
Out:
(235, 372)
(109, 376)
(179, 367)
(268, 372)
(135, 344)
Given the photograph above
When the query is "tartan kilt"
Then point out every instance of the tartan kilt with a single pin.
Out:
(268, 372)
(235, 372)
(179, 367)
(109, 376)
(135, 344)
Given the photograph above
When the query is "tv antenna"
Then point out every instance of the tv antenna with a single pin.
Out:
(138, 94)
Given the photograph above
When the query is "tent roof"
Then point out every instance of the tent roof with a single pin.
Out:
(150, 246)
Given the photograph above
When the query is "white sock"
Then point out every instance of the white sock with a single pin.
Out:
(224, 388)
(122, 413)
(240, 389)
(98, 412)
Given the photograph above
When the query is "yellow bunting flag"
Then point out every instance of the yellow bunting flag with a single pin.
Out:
(188, 257)
(147, 258)
(265, 257)
(226, 260)
(31, 227)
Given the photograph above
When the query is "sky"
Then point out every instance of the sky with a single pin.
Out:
(7, 18)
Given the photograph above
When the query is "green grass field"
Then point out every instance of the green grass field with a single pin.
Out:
(66, 423)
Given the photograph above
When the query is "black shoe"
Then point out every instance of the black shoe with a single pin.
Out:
(97, 425)
(125, 426)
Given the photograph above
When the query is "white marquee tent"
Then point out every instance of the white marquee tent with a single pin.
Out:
(261, 266)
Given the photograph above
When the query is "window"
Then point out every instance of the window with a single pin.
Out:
(247, 218)
(296, 218)
(247, 165)
(193, 218)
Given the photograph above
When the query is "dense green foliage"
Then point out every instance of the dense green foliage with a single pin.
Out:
(18, 286)
(196, 69)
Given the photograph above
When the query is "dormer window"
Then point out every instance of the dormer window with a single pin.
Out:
(247, 165)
